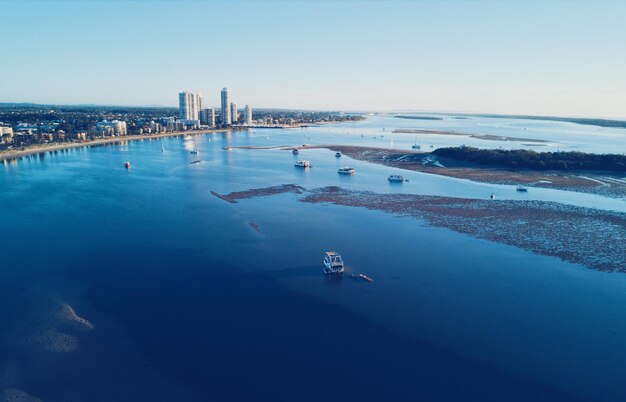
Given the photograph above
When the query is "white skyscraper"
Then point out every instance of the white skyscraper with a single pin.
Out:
(248, 115)
(234, 114)
(226, 116)
(207, 116)
(190, 105)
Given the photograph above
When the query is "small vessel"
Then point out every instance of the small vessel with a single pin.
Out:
(365, 277)
(492, 196)
(346, 170)
(127, 165)
(333, 264)
(195, 152)
(416, 146)
(396, 178)
(162, 148)
(303, 163)
(522, 189)
(295, 151)
(338, 155)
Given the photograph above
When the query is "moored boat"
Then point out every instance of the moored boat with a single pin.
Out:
(346, 170)
(195, 152)
(365, 277)
(303, 164)
(521, 188)
(396, 178)
(338, 155)
(333, 264)
(127, 165)
(295, 151)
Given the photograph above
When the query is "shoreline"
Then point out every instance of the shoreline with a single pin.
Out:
(608, 185)
(42, 148)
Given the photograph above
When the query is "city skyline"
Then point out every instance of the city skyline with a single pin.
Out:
(536, 58)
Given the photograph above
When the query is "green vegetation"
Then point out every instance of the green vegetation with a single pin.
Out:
(525, 159)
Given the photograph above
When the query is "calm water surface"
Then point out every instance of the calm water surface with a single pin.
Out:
(191, 303)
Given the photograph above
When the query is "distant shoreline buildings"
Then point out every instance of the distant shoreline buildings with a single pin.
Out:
(193, 114)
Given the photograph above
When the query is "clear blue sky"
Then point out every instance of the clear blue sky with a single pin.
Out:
(558, 58)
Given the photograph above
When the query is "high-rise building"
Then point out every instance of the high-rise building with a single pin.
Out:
(234, 114)
(190, 105)
(247, 115)
(226, 115)
(115, 127)
(207, 116)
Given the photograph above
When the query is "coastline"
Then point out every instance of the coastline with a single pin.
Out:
(608, 185)
(40, 148)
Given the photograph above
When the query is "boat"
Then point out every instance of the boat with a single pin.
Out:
(195, 152)
(492, 196)
(521, 188)
(365, 277)
(333, 264)
(338, 155)
(127, 165)
(416, 146)
(302, 163)
(396, 178)
(295, 151)
(162, 148)
(346, 170)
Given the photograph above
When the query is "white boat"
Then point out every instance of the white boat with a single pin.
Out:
(333, 264)
(396, 178)
(522, 189)
(195, 152)
(346, 170)
(303, 164)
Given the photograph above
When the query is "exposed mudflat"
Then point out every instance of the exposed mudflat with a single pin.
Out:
(587, 236)
(259, 192)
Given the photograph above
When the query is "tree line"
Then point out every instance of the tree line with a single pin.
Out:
(527, 159)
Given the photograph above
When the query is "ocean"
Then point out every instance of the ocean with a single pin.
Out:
(193, 298)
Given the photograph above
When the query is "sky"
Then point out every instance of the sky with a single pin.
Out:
(562, 58)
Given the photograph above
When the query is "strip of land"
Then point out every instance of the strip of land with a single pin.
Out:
(607, 184)
(490, 137)
(595, 238)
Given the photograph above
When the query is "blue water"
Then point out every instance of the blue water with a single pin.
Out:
(191, 303)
